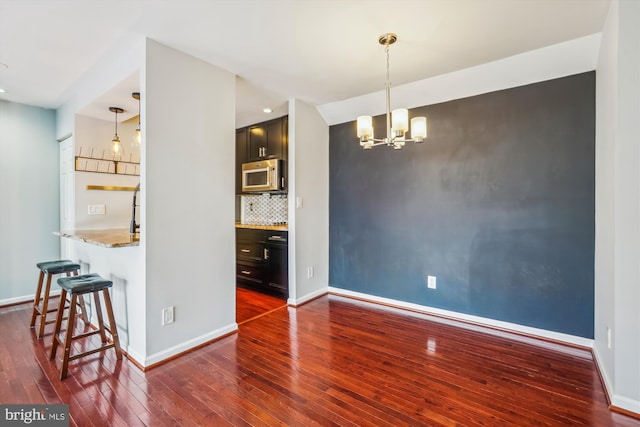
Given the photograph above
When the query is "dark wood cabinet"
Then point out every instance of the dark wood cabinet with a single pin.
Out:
(241, 156)
(277, 272)
(268, 140)
(262, 260)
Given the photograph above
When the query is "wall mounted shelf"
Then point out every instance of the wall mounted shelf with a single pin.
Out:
(110, 166)
(110, 188)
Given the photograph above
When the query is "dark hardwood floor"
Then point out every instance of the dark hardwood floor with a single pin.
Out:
(251, 304)
(332, 361)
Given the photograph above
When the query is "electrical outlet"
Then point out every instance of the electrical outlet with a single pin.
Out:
(609, 338)
(96, 209)
(298, 202)
(168, 315)
(431, 282)
(309, 272)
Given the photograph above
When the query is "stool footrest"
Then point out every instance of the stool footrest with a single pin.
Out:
(84, 335)
(89, 352)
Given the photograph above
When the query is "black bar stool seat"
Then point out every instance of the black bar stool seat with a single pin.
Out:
(76, 286)
(50, 268)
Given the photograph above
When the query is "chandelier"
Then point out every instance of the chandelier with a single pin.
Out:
(397, 121)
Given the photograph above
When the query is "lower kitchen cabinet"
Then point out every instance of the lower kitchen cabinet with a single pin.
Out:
(262, 260)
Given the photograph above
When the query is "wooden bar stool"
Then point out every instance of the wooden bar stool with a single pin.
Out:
(77, 286)
(51, 268)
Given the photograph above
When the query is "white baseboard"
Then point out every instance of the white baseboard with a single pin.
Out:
(621, 402)
(132, 354)
(308, 297)
(24, 298)
(626, 403)
(467, 318)
(188, 345)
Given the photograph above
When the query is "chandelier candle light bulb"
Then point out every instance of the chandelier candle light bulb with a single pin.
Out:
(419, 129)
(397, 123)
(400, 121)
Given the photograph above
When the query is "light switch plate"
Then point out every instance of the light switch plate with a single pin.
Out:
(97, 209)
(431, 282)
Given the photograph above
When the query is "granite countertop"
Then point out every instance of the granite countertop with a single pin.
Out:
(108, 238)
(282, 227)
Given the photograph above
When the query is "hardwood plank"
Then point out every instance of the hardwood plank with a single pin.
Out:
(332, 361)
(252, 304)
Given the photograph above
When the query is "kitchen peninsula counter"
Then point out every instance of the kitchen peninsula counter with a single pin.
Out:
(283, 227)
(107, 238)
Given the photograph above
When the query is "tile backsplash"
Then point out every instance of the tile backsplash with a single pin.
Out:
(264, 209)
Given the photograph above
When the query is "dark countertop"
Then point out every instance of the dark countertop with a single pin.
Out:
(108, 238)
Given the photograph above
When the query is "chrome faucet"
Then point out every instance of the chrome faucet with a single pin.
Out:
(134, 226)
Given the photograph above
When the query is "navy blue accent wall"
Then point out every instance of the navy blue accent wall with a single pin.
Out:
(498, 204)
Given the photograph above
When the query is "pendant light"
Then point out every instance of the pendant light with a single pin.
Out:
(136, 95)
(398, 122)
(116, 146)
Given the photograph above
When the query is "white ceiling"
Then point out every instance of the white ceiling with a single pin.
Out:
(319, 51)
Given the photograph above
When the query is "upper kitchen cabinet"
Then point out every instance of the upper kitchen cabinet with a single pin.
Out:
(241, 155)
(268, 140)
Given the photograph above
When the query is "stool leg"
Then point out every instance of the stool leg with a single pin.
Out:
(58, 325)
(112, 324)
(68, 337)
(45, 306)
(81, 305)
(82, 309)
(96, 298)
(36, 300)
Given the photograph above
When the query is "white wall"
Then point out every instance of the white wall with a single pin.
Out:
(118, 65)
(604, 276)
(188, 120)
(309, 224)
(559, 60)
(29, 203)
(617, 272)
(95, 134)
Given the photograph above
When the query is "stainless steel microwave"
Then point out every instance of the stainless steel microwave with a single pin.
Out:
(263, 176)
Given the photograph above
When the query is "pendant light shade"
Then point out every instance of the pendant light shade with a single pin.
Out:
(116, 146)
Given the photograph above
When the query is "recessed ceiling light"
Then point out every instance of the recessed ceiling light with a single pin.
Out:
(267, 110)
(2, 90)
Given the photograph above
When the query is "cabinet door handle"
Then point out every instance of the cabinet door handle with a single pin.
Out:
(247, 272)
(266, 253)
(245, 250)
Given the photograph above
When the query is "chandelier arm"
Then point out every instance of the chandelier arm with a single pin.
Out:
(376, 142)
